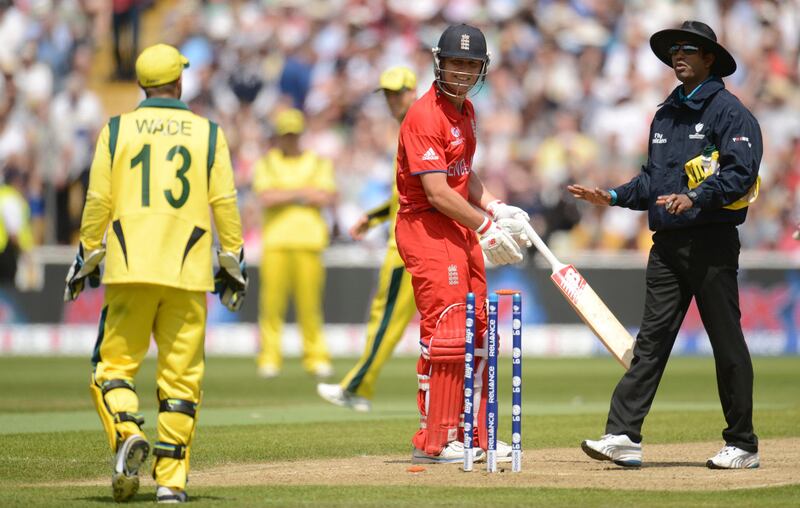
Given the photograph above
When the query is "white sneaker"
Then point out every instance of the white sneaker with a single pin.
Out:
(169, 495)
(731, 457)
(503, 452)
(452, 453)
(268, 371)
(131, 454)
(618, 449)
(335, 394)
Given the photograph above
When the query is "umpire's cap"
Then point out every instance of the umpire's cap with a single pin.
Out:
(702, 35)
(462, 41)
(159, 65)
(397, 78)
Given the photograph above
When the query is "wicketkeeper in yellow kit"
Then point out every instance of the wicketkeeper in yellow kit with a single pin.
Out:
(155, 172)
(293, 185)
(393, 305)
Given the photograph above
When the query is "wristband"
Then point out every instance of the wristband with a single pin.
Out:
(484, 227)
(613, 197)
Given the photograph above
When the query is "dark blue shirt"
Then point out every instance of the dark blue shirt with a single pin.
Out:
(682, 128)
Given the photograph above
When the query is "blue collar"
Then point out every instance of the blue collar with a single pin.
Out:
(683, 97)
(697, 97)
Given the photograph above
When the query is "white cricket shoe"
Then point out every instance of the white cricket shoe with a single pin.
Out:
(131, 454)
(731, 457)
(169, 495)
(335, 394)
(617, 448)
(502, 450)
(452, 453)
(268, 371)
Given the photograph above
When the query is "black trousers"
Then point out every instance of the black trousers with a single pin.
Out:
(700, 262)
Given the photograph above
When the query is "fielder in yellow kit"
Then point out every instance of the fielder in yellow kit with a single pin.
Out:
(293, 185)
(393, 305)
(156, 171)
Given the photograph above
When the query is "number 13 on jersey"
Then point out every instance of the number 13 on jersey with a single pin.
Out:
(143, 159)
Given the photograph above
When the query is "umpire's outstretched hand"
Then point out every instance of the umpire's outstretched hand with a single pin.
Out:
(595, 196)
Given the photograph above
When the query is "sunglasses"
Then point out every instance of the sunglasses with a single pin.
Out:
(688, 49)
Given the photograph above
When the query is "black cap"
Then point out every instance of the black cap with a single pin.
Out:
(699, 33)
(462, 41)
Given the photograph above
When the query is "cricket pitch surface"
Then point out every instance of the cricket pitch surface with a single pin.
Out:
(667, 467)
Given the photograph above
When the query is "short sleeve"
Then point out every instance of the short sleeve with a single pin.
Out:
(424, 145)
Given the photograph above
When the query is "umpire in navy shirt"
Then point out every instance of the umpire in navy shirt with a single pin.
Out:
(700, 176)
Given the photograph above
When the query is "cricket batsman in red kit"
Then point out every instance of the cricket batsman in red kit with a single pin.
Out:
(441, 209)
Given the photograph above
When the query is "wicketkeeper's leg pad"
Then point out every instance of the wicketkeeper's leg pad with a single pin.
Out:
(444, 398)
(117, 404)
(176, 425)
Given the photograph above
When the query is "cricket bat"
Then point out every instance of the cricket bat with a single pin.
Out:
(587, 304)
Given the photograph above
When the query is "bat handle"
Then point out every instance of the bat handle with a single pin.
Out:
(542, 247)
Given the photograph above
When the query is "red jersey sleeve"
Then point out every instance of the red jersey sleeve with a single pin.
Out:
(424, 144)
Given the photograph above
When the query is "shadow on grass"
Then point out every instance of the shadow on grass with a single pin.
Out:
(149, 498)
(648, 465)
(656, 465)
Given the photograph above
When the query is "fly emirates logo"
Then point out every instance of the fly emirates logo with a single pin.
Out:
(458, 169)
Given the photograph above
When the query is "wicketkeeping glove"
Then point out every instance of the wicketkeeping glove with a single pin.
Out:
(499, 210)
(230, 281)
(84, 267)
(497, 244)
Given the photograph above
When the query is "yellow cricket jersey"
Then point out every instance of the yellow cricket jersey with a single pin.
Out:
(387, 211)
(294, 225)
(155, 172)
(25, 234)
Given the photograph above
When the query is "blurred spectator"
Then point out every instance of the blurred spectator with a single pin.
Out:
(33, 78)
(125, 24)
(78, 117)
(13, 141)
(13, 25)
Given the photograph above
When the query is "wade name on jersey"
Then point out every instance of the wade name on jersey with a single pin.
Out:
(166, 127)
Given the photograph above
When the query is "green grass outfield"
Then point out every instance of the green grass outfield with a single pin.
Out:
(50, 434)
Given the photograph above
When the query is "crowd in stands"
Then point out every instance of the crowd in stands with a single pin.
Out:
(572, 88)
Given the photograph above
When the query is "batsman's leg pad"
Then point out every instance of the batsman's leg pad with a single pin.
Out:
(444, 404)
(117, 404)
(176, 425)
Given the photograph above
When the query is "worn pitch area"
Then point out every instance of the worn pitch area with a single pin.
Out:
(667, 467)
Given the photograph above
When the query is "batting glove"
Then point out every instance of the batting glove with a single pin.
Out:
(84, 267)
(499, 210)
(498, 246)
(230, 281)
(518, 230)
